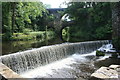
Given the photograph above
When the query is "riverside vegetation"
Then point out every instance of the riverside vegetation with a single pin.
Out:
(31, 36)
(28, 20)
(20, 17)
(20, 22)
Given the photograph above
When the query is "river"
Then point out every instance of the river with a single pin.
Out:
(70, 60)
(17, 46)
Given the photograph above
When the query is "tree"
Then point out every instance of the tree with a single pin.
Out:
(27, 12)
(13, 7)
(116, 25)
(18, 15)
(6, 20)
(90, 20)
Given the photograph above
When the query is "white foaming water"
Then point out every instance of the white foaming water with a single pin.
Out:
(92, 53)
(48, 69)
(104, 57)
(107, 48)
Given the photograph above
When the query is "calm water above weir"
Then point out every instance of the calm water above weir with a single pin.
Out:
(16, 46)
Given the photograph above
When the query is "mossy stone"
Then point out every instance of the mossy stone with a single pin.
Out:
(100, 53)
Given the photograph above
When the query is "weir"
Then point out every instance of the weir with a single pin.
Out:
(21, 62)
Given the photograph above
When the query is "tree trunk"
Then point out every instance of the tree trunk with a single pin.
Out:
(13, 16)
(116, 25)
(59, 33)
(58, 28)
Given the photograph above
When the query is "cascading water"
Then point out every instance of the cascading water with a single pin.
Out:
(59, 69)
(22, 62)
(107, 48)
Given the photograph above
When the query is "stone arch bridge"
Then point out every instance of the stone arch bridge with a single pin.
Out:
(58, 24)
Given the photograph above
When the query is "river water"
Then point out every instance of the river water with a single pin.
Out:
(16, 46)
(76, 65)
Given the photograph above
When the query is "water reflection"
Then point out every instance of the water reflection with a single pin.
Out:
(15, 46)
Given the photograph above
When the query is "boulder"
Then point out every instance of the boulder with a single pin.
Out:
(105, 73)
(99, 53)
(114, 66)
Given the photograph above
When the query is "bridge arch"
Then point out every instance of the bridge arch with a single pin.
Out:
(61, 20)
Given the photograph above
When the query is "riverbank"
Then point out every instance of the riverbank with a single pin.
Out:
(25, 41)
(26, 36)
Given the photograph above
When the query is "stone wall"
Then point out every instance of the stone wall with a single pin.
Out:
(7, 72)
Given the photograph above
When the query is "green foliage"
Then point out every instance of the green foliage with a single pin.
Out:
(51, 17)
(6, 17)
(22, 37)
(27, 31)
(65, 34)
(39, 35)
(99, 53)
(7, 36)
(24, 13)
(103, 32)
(32, 36)
(91, 23)
(27, 12)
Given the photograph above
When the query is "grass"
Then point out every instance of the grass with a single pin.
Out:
(32, 36)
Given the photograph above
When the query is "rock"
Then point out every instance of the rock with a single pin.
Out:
(105, 73)
(114, 66)
(99, 53)
(79, 78)
(114, 55)
(0, 77)
(118, 70)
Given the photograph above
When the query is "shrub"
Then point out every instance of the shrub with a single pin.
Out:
(27, 31)
(32, 36)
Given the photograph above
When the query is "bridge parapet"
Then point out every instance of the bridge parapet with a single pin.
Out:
(55, 10)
